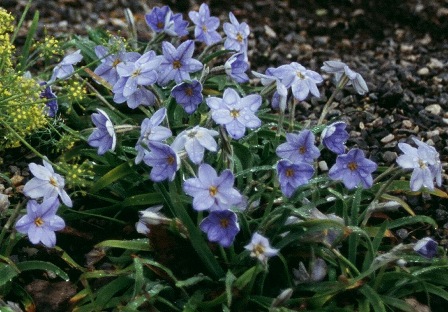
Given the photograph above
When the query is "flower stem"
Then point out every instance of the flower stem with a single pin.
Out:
(341, 84)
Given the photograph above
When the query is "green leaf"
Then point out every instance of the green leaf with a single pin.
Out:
(7, 273)
(113, 175)
(397, 304)
(373, 297)
(42, 265)
(193, 281)
(137, 244)
(230, 279)
(146, 199)
(105, 294)
(412, 220)
(138, 276)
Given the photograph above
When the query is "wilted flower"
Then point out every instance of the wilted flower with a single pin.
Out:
(188, 95)
(41, 221)
(237, 35)
(425, 163)
(236, 68)
(426, 247)
(210, 191)
(195, 141)
(260, 248)
(221, 227)
(317, 273)
(52, 103)
(163, 20)
(339, 69)
(301, 80)
(163, 160)
(206, 25)
(334, 137)
(150, 216)
(299, 147)
(177, 64)
(46, 183)
(235, 113)
(65, 67)
(353, 169)
(103, 137)
(151, 130)
(292, 175)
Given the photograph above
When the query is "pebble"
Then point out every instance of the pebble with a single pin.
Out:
(407, 124)
(388, 138)
(431, 134)
(323, 165)
(434, 109)
(435, 63)
(423, 71)
(269, 32)
(389, 156)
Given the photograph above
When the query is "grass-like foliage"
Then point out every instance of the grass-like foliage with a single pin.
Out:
(228, 202)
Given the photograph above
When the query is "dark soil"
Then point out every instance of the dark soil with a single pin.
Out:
(400, 48)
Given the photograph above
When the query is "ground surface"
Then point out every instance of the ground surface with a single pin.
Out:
(400, 48)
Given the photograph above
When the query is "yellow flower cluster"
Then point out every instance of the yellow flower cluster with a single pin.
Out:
(75, 90)
(49, 47)
(78, 175)
(6, 48)
(66, 142)
(21, 108)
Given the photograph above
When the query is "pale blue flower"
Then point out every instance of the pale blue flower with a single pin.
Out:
(65, 68)
(188, 94)
(236, 68)
(292, 175)
(196, 141)
(234, 112)
(177, 64)
(221, 226)
(339, 68)
(163, 160)
(210, 191)
(206, 25)
(334, 137)
(353, 169)
(426, 247)
(163, 20)
(103, 137)
(260, 248)
(41, 221)
(299, 147)
(46, 183)
(51, 106)
(237, 35)
(280, 96)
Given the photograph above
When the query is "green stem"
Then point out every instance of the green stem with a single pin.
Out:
(8, 224)
(341, 84)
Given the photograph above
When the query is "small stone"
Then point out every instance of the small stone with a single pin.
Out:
(323, 165)
(389, 156)
(445, 120)
(423, 71)
(388, 138)
(431, 134)
(435, 63)
(434, 109)
(361, 125)
(407, 124)
(269, 32)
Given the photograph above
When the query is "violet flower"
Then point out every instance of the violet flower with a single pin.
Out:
(103, 137)
(334, 137)
(235, 113)
(141, 96)
(41, 221)
(163, 160)
(339, 69)
(51, 103)
(292, 175)
(65, 68)
(196, 141)
(151, 130)
(188, 95)
(237, 35)
(260, 248)
(299, 147)
(210, 191)
(301, 80)
(280, 95)
(425, 163)
(426, 247)
(177, 64)
(221, 226)
(163, 20)
(205, 25)
(236, 68)
(108, 67)
(46, 183)
(353, 169)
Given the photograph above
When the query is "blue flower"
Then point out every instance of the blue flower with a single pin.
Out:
(141, 96)
(237, 35)
(334, 137)
(212, 192)
(195, 141)
(108, 67)
(236, 68)
(41, 221)
(206, 25)
(46, 183)
(299, 147)
(260, 248)
(177, 64)
(425, 163)
(292, 175)
(103, 137)
(151, 130)
(235, 113)
(280, 95)
(301, 80)
(426, 247)
(52, 103)
(339, 69)
(188, 95)
(163, 160)
(163, 20)
(353, 169)
(221, 227)
(65, 67)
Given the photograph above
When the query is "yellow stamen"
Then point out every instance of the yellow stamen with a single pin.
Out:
(213, 190)
(289, 172)
(38, 221)
(352, 166)
(224, 223)
(177, 64)
(234, 113)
